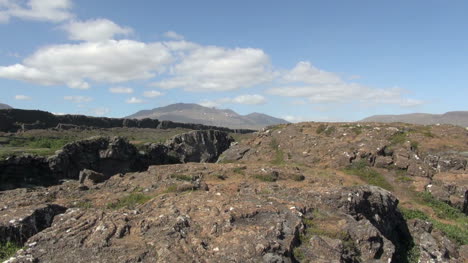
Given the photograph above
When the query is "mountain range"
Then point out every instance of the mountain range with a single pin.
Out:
(194, 113)
(4, 106)
(459, 118)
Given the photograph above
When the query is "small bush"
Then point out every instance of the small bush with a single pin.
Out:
(7, 250)
(130, 201)
(321, 128)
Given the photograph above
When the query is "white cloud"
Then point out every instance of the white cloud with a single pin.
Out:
(325, 87)
(152, 94)
(22, 97)
(210, 68)
(134, 100)
(304, 72)
(294, 119)
(242, 99)
(173, 35)
(106, 62)
(99, 111)
(121, 90)
(40, 10)
(78, 99)
(95, 30)
(249, 99)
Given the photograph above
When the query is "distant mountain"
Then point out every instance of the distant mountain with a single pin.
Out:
(194, 113)
(5, 107)
(459, 118)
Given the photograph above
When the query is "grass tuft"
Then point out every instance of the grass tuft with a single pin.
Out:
(8, 249)
(130, 201)
(182, 177)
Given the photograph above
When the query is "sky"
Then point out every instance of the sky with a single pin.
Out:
(299, 60)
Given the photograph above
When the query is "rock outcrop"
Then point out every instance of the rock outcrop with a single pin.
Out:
(110, 156)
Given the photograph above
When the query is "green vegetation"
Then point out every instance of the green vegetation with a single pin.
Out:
(239, 170)
(279, 154)
(357, 130)
(327, 130)
(366, 173)
(130, 201)
(7, 250)
(266, 177)
(399, 138)
(85, 204)
(321, 128)
(404, 179)
(442, 209)
(170, 189)
(182, 177)
(454, 232)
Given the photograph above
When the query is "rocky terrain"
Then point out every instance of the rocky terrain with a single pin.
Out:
(194, 113)
(459, 118)
(308, 192)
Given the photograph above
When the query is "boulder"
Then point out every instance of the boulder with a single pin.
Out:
(89, 177)
(19, 224)
(401, 158)
(433, 245)
(198, 146)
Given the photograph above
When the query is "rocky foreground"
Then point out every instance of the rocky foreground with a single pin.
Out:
(294, 193)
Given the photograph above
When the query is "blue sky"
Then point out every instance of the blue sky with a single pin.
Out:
(300, 60)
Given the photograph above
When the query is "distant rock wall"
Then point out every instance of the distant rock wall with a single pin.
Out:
(12, 120)
(110, 156)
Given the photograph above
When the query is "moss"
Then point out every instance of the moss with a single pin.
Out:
(130, 201)
(369, 175)
(398, 138)
(8, 249)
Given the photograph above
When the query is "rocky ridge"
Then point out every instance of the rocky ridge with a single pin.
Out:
(12, 120)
